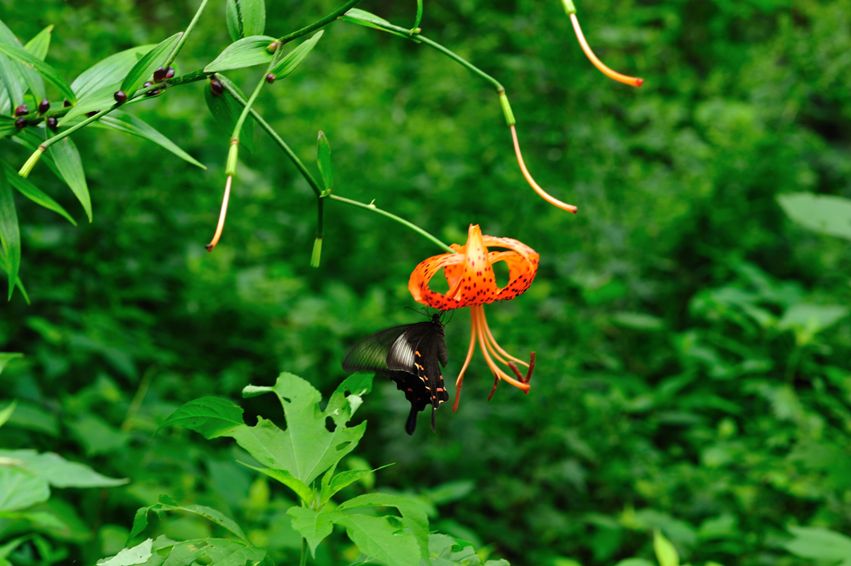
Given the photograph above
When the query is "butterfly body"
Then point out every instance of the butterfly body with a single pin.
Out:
(411, 355)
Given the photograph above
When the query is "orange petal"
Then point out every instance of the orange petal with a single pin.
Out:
(418, 283)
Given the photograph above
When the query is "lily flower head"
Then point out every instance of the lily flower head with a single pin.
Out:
(472, 283)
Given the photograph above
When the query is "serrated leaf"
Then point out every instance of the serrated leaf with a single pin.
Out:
(666, 554)
(212, 417)
(6, 412)
(246, 52)
(313, 525)
(129, 124)
(27, 59)
(380, 540)
(10, 236)
(20, 488)
(816, 543)
(323, 157)
(144, 69)
(294, 58)
(30, 191)
(825, 214)
(108, 73)
(138, 554)
(306, 448)
(60, 472)
(40, 43)
(69, 167)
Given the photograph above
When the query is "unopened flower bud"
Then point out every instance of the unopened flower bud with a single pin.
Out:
(21, 110)
(270, 78)
(52, 122)
(43, 106)
(120, 96)
(216, 87)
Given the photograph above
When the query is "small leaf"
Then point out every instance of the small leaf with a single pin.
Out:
(414, 512)
(299, 487)
(825, 214)
(132, 125)
(58, 471)
(814, 543)
(108, 73)
(10, 236)
(666, 554)
(245, 17)
(28, 59)
(246, 52)
(323, 157)
(313, 525)
(369, 20)
(69, 168)
(138, 554)
(20, 488)
(210, 416)
(144, 69)
(40, 44)
(380, 540)
(293, 59)
(140, 521)
(6, 357)
(29, 190)
(232, 20)
(6, 412)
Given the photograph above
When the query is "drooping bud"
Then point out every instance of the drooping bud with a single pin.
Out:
(216, 87)
(52, 122)
(21, 110)
(43, 106)
(159, 75)
(270, 78)
(21, 123)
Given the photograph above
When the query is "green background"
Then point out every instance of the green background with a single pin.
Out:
(692, 353)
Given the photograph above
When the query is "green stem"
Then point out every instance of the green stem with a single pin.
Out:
(320, 23)
(302, 561)
(308, 176)
(419, 19)
(173, 55)
(371, 207)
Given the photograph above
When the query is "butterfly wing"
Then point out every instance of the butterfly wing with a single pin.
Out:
(382, 351)
(429, 355)
(417, 395)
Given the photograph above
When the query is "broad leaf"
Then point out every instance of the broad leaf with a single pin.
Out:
(132, 125)
(138, 554)
(245, 17)
(246, 52)
(109, 72)
(323, 157)
(313, 525)
(59, 472)
(140, 521)
(144, 69)
(814, 543)
(212, 417)
(20, 488)
(825, 214)
(379, 539)
(294, 58)
(413, 510)
(10, 236)
(29, 190)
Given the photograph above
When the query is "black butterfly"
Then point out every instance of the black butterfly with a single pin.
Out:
(410, 355)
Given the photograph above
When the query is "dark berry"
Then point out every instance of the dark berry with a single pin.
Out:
(120, 96)
(154, 92)
(169, 73)
(159, 75)
(43, 106)
(52, 122)
(216, 87)
(270, 78)
(66, 103)
(21, 110)
(92, 113)
(20, 123)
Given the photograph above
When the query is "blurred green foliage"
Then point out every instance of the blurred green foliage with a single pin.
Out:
(693, 342)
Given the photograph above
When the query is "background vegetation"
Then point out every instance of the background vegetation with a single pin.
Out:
(692, 341)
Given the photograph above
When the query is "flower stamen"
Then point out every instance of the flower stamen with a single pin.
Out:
(460, 380)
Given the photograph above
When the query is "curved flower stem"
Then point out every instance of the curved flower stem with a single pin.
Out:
(410, 225)
(532, 183)
(223, 212)
(602, 67)
(180, 42)
(419, 19)
(320, 23)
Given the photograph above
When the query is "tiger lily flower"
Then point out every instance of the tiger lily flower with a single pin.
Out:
(570, 8)
(472, 283)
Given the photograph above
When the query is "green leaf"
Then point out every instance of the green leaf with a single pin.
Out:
(344, 479)
(299, 487)
(144, 69)
(30, 191)
(24, 74)
(213, 551)
(323, 157)
(364, 18)
(6, 357)
(825, 214)
(634, 562)
(10, 236)
(40, 44)
(138, 554)
(666, 554)
(6, 412)
(380, 540)
(20, 488)
(29, 60)
(313, 525)
(212, 417)
(246, 52)
(414, 512)
(226, 110)
(293, 59)
(307, 448)
(140, 521)
(59, 472)
(11, 86)
(132, 125)
(815, 543)
(107, 74)
(811, 318)
(245, 17)
(69, 168)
